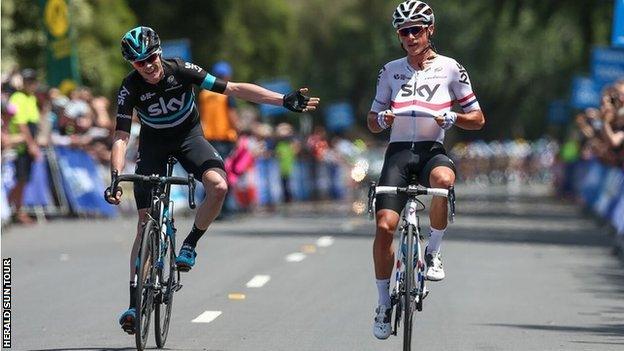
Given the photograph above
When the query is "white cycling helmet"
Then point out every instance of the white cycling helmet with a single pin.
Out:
(413, 11)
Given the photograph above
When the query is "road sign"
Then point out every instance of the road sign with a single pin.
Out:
(339, 117)
(558, 112)
(177, 48)
(279, 85)
(607, 65)
(617, 33)
(585, 93)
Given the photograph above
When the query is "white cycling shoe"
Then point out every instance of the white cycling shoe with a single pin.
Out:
(435, 271)
(381, 327)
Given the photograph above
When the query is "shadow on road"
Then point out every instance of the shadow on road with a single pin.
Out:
(119, 349)
(522, 219)
(603, 330)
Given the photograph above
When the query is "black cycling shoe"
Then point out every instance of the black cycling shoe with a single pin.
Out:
(127, 321)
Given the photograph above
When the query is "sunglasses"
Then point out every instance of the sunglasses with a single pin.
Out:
(415, 31)
(150, 59)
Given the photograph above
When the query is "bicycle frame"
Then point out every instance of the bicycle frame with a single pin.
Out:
(152, 261)
(161, 211)
(409, 286)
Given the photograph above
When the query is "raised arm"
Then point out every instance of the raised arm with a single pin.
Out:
(295, 101)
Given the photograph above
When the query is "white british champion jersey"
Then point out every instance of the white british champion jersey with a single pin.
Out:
(417, 96)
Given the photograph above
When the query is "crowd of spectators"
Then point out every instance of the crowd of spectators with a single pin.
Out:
(516, 161)
(601, 130)
(35, 117)
(598, 133)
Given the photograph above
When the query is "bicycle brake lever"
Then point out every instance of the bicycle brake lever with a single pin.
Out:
(191, 191)
(451, 201)
(371, 198)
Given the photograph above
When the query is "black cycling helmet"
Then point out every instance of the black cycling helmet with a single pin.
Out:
(139, 43)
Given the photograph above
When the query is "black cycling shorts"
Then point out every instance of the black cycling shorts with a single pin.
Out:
(408, 163)
(192, 150)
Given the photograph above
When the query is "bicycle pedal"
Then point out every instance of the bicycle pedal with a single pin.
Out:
(183, 268)
(177, 287)
(425, 293)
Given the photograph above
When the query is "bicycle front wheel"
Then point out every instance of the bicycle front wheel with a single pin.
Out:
(145, 285)
(408, 283)
(168, 278)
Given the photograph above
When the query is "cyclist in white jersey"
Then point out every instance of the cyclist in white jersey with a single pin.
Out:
(414, 98)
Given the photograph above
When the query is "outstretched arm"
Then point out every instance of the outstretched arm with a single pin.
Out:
(253, 93)
(295, 101)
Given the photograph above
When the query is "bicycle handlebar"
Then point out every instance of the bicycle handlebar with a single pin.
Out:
(117, 178)
(411, 190)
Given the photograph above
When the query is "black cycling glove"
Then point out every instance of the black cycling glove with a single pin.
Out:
(295, 101)
(108, 193)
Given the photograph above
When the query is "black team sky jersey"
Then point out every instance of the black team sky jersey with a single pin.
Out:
(169, 106)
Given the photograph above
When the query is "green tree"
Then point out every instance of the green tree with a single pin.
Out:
(97, 28)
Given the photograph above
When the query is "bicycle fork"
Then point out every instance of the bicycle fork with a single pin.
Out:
(419, 290)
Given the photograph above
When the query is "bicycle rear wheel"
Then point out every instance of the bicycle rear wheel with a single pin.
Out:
(408, 283)
(145, 285)
(168, 278)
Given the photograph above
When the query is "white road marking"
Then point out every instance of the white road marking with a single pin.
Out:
(325, 241)
(295, 257)
(258, 281)
(207, 317)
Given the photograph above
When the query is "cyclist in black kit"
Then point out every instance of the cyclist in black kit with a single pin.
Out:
(161, 92)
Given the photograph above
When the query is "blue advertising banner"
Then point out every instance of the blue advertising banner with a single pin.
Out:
(607, 65)
(281, 86)
(177, 48)
(617, 33)
(585, 93)
(83, 186)
(617, 217)
(37, 191)
(339, 117)
(592, 182)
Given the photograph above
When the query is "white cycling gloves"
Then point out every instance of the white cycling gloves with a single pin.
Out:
(381, 120)
(449, 119)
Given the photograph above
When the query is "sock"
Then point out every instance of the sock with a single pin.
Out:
(383, 288)
(132, 295)
(194, 236)
(435, 240)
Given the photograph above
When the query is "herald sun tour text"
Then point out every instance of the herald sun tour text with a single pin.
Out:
(6, 303)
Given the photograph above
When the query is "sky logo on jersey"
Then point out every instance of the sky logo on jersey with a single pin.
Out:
(189, 65)
(121, 98)
(162, 108)
(463, 75)
(424, 91)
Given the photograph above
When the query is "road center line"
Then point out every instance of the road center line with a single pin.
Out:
(258, 281)
(295, 257)
(325, 241)
(207, 317)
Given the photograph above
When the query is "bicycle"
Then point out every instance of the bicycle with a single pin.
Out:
(156, 278)
(409, 289)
